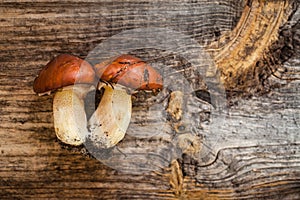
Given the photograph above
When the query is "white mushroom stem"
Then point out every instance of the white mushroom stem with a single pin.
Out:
(70, 121)
(108, 124)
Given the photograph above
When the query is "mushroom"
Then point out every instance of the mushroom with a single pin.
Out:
(71, 78)
(108, 124)
(129, 71)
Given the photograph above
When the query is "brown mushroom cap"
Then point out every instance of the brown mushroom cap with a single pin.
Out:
(140, 76)
(129, 71)
(64, 70)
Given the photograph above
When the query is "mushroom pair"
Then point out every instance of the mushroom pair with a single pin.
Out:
(73, 78)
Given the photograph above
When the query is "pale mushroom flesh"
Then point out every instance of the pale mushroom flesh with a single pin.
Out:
(108, 124)
(70, 122)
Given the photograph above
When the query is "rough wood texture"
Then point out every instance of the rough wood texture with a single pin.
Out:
(248, 150)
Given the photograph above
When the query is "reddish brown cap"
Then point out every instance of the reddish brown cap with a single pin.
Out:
(62, 71)
(129, 71)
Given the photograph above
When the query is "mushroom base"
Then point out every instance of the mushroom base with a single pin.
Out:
(108, 124)
(70, 121)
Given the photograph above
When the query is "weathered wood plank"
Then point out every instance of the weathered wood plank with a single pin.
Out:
(252, 152)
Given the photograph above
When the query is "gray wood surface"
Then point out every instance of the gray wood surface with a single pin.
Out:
(228, 146)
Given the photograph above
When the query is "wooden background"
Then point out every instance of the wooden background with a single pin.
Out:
(252, 153)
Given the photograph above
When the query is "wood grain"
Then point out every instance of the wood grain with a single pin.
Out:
(250, 150)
